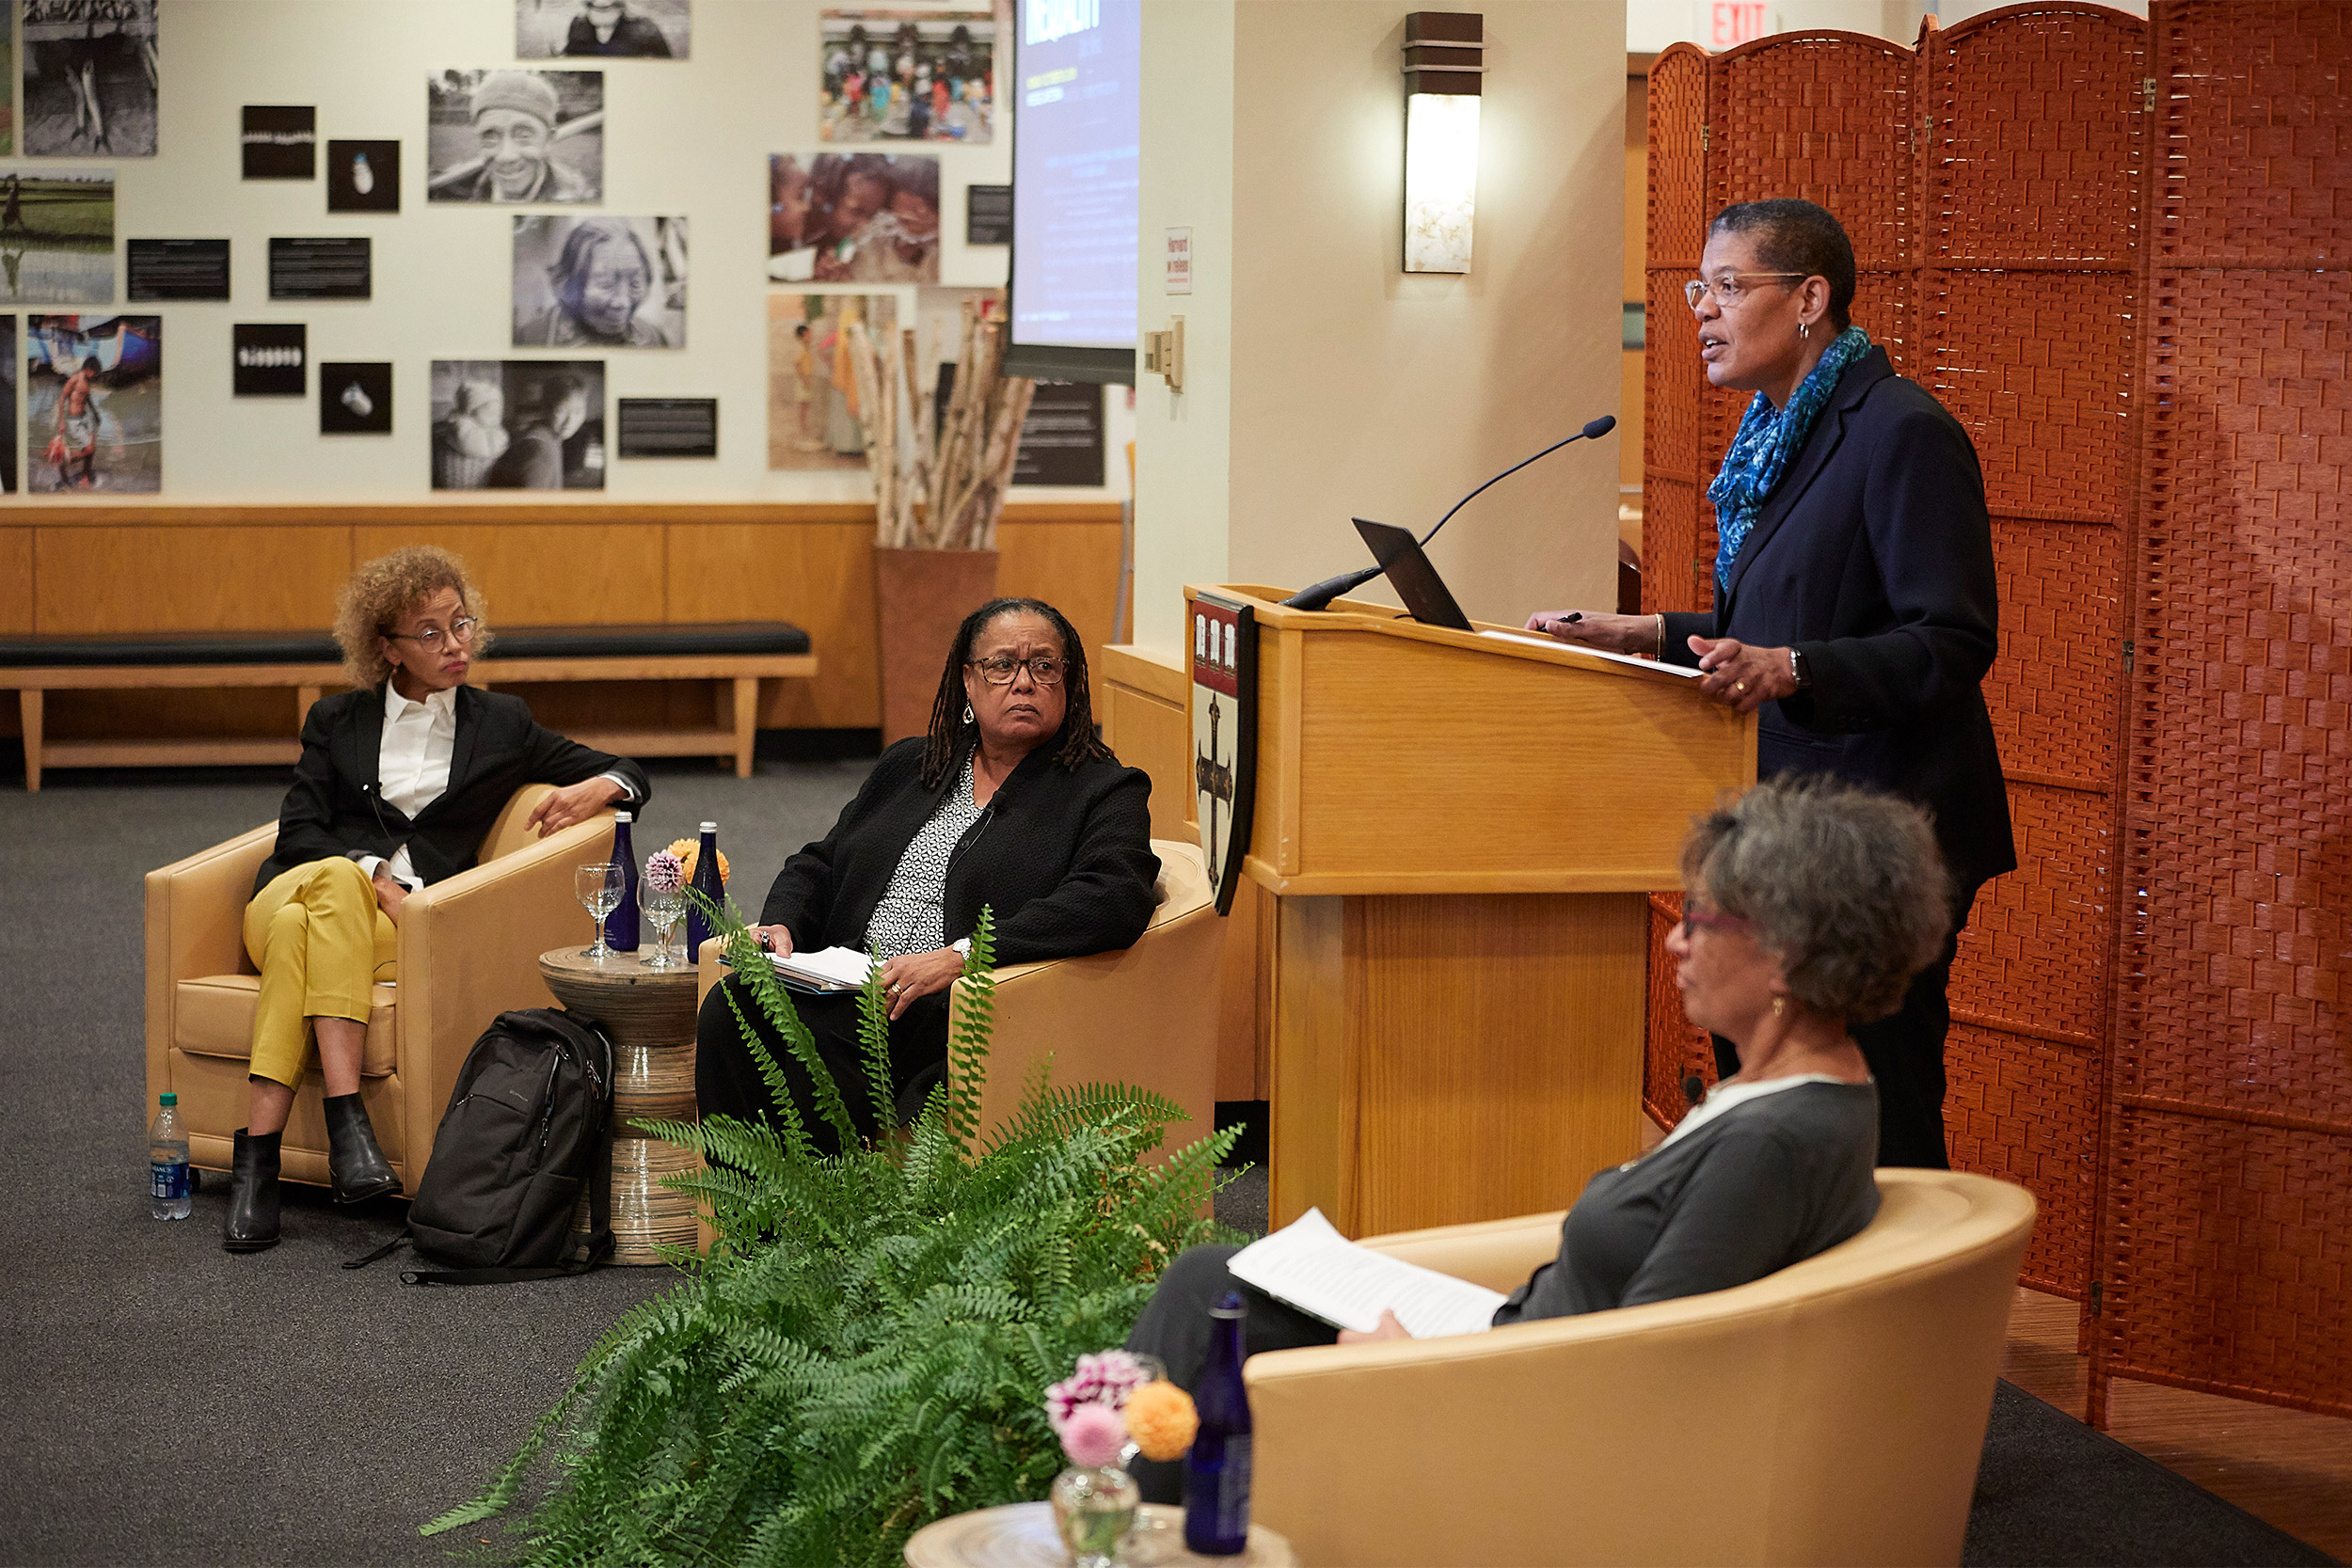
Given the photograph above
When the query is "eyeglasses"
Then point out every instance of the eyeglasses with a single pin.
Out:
(1713, 921)
(1000, 669)
(1725, 288)
(460, 631)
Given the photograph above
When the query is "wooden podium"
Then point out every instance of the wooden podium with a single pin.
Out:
(1459, 829)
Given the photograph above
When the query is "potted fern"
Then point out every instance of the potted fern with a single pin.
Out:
(936, 504)
(865, 1347)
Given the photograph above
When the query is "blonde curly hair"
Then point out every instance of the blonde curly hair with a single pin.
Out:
(384, 589)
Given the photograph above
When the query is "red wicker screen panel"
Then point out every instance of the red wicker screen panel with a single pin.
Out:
(1677, 161)
(1826, 116)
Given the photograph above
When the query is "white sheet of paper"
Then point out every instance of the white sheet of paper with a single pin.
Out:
(1659, 665)
(1322, 1274)
(841, 966)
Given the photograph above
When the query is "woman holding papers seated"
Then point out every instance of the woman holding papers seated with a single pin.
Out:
(1809, 907)
(1011, 804)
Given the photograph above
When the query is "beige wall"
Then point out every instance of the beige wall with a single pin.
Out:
(1321, 381)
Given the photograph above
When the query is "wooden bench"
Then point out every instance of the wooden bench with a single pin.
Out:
(739, 653)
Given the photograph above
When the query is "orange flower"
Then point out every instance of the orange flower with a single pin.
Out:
(688, 850)
(1161, 1420)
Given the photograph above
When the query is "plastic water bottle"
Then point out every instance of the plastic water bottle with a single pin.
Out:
(167, 1164)
(1217, 1471)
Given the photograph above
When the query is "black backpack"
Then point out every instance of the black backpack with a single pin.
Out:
(529, 1124)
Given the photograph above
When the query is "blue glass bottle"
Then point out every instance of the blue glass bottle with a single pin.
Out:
(1216, 1472)
(620, 926)
(706, 882)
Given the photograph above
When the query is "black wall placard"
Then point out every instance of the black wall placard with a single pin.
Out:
(280, 143)
(1061, 440)
(988, 215)
(363, 177)
(328, 268)
(177, 269)
(270, 359)
(354, 399)
(668, 427)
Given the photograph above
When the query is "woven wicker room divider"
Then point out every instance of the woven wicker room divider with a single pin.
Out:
(2188, 1134)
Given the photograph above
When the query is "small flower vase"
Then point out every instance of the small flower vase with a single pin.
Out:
(1093, 1508)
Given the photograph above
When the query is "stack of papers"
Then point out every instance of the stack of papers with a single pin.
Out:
(830, 969)
(1312, 1267)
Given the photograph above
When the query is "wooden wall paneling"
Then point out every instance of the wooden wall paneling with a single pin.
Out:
(201, 578)
(819, 575)
(16, 600)
(546, 573)
(1072, 566)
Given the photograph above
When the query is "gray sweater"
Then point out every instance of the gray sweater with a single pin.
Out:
(1767, 1183)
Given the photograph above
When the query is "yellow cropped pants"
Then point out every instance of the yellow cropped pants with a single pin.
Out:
(320, 941)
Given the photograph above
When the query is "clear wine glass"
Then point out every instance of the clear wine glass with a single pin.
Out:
(598, 888)
(666, 909)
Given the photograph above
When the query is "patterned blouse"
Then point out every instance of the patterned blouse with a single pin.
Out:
(911, 917)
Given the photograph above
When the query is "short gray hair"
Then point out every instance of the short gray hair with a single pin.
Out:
(1844, 886)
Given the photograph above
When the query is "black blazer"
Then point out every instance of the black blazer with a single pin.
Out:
(1063, 857)
(336, 806)
(1874, 558)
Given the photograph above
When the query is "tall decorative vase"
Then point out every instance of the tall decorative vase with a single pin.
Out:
(920, 598)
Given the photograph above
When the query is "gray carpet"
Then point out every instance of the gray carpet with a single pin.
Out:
(167, 1403)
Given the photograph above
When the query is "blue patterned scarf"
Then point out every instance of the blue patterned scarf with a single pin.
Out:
(1769, 440)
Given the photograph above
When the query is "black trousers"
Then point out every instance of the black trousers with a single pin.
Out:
(1905, 1054)
(728, 1081)
(1175, 1327)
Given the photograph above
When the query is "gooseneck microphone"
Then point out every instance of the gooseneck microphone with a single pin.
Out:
(1322, 593)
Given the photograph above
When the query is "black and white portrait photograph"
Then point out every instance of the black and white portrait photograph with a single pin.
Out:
(852, 218)
(363, 177)
(571, 29)
(907, 76)
(90, 76)
(515, 136)
(599, 282)
(94, 404)
(354, 399)
(57, 236)
(518, 424)
(8, 406)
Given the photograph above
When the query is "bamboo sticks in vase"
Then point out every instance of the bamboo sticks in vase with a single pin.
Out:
(946, 494)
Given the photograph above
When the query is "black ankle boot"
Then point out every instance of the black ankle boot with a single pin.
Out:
(353, 1164)
(252, 1193)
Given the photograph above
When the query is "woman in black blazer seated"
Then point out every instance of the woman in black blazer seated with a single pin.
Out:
(1856, 605)
(398, 783)
(1011, 801)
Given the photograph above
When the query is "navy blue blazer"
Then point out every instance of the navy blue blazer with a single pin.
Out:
(1874, 558)
(336, 806)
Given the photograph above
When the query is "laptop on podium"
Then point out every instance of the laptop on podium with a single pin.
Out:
(1426, 597)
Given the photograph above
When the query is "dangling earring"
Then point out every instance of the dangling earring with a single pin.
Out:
(1804, 330)
(968, 715)
(1780, 1005)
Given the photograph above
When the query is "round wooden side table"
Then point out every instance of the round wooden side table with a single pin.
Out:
(1021, 1535)
(650, 1014)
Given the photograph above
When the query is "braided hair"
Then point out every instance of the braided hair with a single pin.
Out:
(1074, 744)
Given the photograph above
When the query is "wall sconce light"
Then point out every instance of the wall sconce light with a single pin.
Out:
(1444, 68)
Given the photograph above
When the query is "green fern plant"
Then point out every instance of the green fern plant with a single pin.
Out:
(866, 1345)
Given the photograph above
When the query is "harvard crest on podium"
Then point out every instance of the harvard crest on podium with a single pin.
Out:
(1224, 735)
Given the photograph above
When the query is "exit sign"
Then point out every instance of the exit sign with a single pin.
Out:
(1733, 21)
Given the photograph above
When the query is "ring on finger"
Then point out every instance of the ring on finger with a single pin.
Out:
(1739, 686)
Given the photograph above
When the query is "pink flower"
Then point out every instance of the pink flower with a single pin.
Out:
(664, 872)
(1093, 1436)
(1106, 1378)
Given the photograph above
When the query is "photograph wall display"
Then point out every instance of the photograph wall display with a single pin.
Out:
(269, 359)
(573, 29)
(363, 177)
(90, 76)
(8, 103)
(852, 218)
(93, 403)
(56, 237)
(8, 403)
(514, 135)
(814, 418)
(518, 424)
(906, 76)
(599, 282)
(354, 399)
(281, 141)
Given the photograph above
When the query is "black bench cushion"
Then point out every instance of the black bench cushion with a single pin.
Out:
(301, 648)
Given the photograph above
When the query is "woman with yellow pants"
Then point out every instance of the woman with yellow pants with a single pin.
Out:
(399, 781)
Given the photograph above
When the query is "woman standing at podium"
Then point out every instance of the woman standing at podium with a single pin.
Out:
(1857, 606)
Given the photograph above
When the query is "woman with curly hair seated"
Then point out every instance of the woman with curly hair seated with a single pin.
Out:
(398, 784)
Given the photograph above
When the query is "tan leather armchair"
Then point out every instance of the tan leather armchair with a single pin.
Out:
(1145, 1015)
(1833, 1413)
(469, 949)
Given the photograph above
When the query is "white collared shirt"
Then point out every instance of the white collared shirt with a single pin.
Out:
(420, 739)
